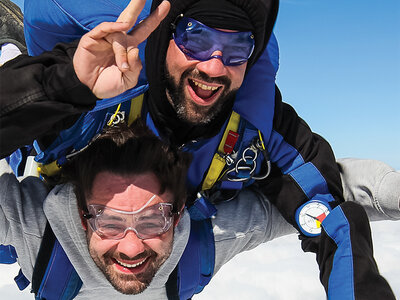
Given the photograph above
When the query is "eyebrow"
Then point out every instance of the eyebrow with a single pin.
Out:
(112, 217)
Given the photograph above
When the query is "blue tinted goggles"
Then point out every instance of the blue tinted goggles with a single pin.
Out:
(198, 41)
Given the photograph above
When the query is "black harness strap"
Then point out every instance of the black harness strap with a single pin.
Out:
(43, 257)
(172, 285)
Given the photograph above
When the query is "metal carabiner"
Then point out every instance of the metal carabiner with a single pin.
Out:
(254, 165)
(266, 174)
(229, 160)
(118, 118)
(260, 145)
(253, 149)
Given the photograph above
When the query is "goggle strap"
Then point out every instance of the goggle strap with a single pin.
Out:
(173, 24)
(144, 206)
(87, 216)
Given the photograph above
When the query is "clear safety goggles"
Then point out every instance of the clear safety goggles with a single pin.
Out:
(147, 222)
(200, 41)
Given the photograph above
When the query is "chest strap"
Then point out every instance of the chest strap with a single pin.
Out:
(218, 162)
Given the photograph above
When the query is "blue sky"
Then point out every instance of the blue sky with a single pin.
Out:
(340, 69)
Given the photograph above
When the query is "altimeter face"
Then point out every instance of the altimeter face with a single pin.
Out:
(310, 217)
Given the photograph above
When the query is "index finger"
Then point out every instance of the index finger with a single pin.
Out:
(145, 28)
(131, 12)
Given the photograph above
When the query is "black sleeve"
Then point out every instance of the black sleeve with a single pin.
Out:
(304, 168)
(40, 96)
(298, 152)
(345, 256)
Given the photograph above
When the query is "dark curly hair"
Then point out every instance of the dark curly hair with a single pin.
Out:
(125, 150)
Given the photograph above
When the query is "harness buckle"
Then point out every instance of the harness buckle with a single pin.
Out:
(117, 118)
(229, 160)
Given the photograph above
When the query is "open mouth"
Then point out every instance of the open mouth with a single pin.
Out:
(202, 93)
(131, 268)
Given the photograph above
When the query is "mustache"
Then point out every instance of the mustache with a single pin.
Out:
(141, 255)
(196, 74)
(122, 256)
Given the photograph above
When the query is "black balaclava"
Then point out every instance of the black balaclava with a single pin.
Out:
(257, 16)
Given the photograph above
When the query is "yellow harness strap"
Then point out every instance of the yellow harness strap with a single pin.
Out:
(53, 168)
(218, 162)
(48, 169)
(136, 108)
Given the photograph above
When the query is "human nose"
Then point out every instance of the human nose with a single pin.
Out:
(213, 67)
(130, 244)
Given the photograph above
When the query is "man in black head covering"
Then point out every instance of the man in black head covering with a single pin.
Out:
(200, 89)
(196, 61)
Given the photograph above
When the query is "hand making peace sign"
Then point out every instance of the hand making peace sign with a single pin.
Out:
(107, 58)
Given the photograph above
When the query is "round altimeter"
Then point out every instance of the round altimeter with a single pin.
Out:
(310, 215)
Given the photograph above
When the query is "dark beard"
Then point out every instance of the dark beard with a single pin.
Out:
(130, 284)
(187, 110)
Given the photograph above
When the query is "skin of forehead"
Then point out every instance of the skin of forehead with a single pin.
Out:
(147, 204)
(126, 193)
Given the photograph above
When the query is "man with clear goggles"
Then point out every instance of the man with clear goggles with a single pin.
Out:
(120, 218)
(149, 221)
(205, 93)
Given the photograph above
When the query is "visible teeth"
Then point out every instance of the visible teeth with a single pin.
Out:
(205, 87)
(129, 265)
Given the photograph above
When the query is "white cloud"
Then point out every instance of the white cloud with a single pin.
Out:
(281, 270)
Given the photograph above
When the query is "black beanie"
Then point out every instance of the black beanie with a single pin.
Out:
(259, 14)
(224, 14)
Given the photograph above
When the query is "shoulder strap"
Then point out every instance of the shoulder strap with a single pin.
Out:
(172, 285)
(8, 255)
(136, 108)
(54, 277)
(218, 162)
(196, 265)
(53, 167)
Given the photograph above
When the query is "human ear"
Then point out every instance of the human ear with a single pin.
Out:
(178, 216)
(83, 220)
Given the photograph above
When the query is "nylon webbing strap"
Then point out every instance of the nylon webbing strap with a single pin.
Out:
(8, 255)
(49, 169)
(218, 162)
(53, 168)
(136, 108)
(196, 265)
(46, 247)
(60, 280)
(54, 277)
(172, 285)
